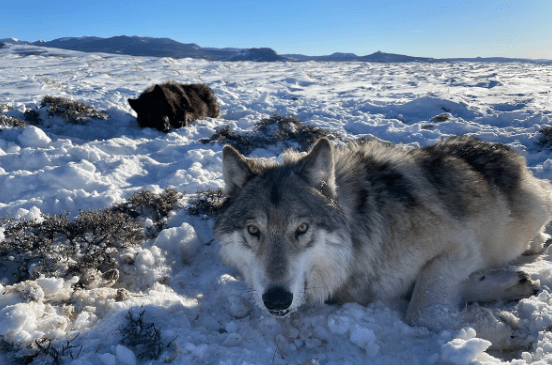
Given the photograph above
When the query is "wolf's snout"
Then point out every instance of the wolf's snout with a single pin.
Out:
(277, 299)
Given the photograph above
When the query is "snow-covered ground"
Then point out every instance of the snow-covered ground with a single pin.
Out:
(200, 306)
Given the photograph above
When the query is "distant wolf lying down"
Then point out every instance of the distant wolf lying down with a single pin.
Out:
(375, 221)
(176, 105)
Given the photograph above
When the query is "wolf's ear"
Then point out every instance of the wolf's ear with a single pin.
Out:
(158, 89)
(133, 104)
(318, 168)
(235, 170)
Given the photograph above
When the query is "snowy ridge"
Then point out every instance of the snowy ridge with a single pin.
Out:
(201, 307)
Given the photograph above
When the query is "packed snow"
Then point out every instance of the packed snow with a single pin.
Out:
(176, 280)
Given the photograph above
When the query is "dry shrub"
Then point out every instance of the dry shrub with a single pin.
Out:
(289, 131)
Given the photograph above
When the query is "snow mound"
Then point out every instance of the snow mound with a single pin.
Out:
(179, 242)
(464, 349)
(34, 137)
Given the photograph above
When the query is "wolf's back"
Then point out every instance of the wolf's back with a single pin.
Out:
(497, 163)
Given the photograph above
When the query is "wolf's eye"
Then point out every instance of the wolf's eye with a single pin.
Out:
(254, 231)
(303, 227)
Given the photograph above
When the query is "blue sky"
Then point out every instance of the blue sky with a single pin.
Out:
(417, 28)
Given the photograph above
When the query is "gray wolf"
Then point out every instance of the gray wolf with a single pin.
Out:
(174, 104)
(374, 221)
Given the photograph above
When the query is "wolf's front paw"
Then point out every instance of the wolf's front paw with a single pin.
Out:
(524, 287)
(495, 285)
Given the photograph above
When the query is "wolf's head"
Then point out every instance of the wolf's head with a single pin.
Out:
(282, 228)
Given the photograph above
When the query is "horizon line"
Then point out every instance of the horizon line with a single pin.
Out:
(282, 54)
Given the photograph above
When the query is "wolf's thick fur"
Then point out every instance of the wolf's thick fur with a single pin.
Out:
(377, 221)
(173, 104)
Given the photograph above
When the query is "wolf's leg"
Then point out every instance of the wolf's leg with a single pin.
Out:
(439, 290)
(504, 284)
(503, 329)
(436, 296)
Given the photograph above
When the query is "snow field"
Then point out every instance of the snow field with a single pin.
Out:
(200, 306)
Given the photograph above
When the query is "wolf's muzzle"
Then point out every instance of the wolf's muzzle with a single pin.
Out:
(277, 300)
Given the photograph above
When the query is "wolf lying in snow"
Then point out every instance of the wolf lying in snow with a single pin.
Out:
(174, 104)
(377, 221)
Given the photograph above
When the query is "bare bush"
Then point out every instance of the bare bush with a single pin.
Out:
(270, 132)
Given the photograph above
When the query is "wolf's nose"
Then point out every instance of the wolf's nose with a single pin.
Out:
(277, 299)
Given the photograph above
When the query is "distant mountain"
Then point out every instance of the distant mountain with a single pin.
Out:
(391, 57)
(257, 54)
(497, 60)
(374, 57)
(337, 56)
(137, 46)
(166, 47)
(14, 41)
(156, 47)
(73, 43)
